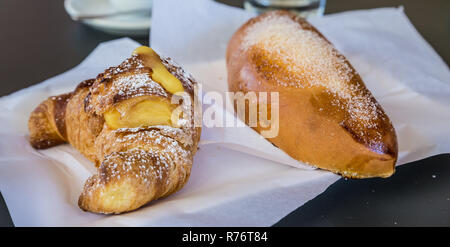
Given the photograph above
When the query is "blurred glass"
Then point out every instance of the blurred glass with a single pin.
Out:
(304, 8)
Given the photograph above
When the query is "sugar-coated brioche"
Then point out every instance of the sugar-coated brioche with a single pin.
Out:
(327, 117)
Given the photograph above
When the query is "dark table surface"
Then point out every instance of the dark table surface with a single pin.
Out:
(38, 40)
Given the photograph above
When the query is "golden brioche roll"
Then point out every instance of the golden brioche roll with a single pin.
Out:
(327, 117)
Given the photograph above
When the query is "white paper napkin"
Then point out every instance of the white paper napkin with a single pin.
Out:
(227, 187)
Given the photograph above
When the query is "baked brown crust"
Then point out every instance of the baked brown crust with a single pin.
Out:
(328, 118)
(135, 165)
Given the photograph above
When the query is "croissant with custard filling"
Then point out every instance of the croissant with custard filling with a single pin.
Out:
(123, 122)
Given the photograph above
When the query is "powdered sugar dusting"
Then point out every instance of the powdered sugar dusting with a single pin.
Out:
(186, 78)
(137, 85)
(131, 164)
(154, 160)
(151, 151)
(307, 60)
(129, 64)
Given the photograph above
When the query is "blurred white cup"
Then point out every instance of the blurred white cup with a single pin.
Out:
(124, 5)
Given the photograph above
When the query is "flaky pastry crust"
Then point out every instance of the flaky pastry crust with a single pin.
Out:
(135, 165)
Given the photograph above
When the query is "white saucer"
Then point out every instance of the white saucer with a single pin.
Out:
(129, 25)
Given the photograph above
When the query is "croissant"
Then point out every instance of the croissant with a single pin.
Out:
(124, 122)
(327, 117)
